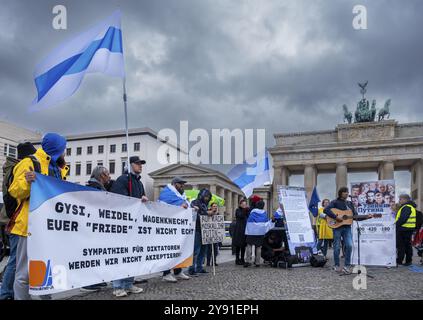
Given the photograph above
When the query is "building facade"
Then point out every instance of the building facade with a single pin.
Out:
(10, 136)
(381, 147)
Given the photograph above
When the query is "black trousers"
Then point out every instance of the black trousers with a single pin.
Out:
(238, 251)
(175, 271)
(404, 247)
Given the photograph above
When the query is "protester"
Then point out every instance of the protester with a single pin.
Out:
(238, 239)
(6, 293)
(324, 232)
(50, 160)
(342, 232)
(257, 226)
(129, 184)
(100, 178)
(405, 221)
(214, 211)
(201, 206)
(174, 194)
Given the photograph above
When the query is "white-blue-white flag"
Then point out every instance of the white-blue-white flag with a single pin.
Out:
(252, 173)
(99, 49)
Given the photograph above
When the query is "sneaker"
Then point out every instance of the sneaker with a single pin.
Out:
(169, 278)
(346, 270)
(182, 276)
(247, 264)
(134, 289)
(336, 268)
(193, 274)
(119, 293)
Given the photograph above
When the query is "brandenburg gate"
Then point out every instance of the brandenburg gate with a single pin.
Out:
(382, 147)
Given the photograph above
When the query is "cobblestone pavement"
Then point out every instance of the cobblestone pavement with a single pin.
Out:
(236, 282)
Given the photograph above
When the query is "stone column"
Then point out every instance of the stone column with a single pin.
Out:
(213, 188)
(341, 176)
(386, 170)
(417, 183)
(281, 177)
(234, 204)
(156, 193)
(228, 201)
(221, 193)
(310, 179)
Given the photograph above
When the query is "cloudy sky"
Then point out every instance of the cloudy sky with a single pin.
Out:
(280, 65)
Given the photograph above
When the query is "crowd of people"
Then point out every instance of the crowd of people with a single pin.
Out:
(249, 231)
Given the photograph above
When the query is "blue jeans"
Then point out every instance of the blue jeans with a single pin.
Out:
(9, 273)
(198, 253)
(322, 245)
(346, 234)
(123, 283)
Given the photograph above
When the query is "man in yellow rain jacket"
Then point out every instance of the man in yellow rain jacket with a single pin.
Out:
(51, 162)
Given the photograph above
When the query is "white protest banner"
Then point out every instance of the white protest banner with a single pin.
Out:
(212, 229)
(377, 235)
(301, 238)
(79, 236)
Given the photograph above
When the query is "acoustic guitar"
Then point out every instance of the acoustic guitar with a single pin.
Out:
(347, 218)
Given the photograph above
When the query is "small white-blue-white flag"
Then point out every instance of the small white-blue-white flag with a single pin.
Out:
(99, 49)
(252, 173)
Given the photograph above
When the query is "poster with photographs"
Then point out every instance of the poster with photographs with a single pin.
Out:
(377, 235)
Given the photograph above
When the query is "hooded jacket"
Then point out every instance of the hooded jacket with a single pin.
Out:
(20, 189)
(202, 204)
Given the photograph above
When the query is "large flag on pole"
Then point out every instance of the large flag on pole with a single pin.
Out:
(99, 49)
(253, 173)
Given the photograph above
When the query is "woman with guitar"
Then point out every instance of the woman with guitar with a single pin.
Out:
(340, 214)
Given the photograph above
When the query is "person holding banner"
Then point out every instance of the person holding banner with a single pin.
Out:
(214, 211)
(129, 184)
(174, 194)
(257, 226)
(100, 178)
(201, 206)
(50, 162)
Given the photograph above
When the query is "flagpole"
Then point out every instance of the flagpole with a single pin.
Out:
(125, 105)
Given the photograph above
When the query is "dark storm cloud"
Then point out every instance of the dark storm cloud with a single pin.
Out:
(280, 65)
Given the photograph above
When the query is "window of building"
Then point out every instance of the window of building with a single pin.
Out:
(78, 151)
(100, 163)
(123, 165)
(90, 150)
(89, 168)
(68, 152)
(78, 169)
(101, 149)
(10, 151)
(69, 166)
(112, 167)
(137, 146)
(112, 148)
(124, 147)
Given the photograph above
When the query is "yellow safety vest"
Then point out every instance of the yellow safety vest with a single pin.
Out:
(411, 221)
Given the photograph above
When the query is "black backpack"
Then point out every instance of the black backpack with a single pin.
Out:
(9, 203)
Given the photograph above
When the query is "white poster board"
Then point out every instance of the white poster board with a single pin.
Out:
(301, 238)
(212, 229)
(377, 235)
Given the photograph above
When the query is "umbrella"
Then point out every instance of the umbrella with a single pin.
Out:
(192, 195)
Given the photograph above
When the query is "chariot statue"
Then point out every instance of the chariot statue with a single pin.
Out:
(363, 112)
